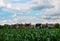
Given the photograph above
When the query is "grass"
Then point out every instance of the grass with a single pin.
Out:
(29, 34)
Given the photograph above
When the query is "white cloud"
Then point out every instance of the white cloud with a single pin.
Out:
(26, 8)
(2, 3)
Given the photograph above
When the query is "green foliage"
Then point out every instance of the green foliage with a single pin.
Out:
(57, 25)
(29, 34)
(5, 26)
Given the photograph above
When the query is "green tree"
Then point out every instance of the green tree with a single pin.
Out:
(5, 26)
(1, 26)
(57, 25)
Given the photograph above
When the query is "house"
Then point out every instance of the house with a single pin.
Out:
(38, 25)
(27, 25)
(17, 25)
(10, 26)
(49, 25)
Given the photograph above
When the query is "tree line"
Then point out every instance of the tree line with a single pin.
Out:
(6, 26)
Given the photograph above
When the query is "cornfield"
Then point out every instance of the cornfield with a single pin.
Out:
(29, 34)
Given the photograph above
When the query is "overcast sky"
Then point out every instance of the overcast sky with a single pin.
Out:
(29, 11)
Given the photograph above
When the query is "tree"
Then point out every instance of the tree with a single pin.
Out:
(5, 26)
(57, 25)
(1, 26)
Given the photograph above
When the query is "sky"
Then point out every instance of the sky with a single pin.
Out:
(29, 11)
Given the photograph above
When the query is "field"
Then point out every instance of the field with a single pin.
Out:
(29, 34)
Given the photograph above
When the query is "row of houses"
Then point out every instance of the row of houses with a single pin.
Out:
(29, 25)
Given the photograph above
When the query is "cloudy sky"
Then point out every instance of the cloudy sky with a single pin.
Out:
(29, 11)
